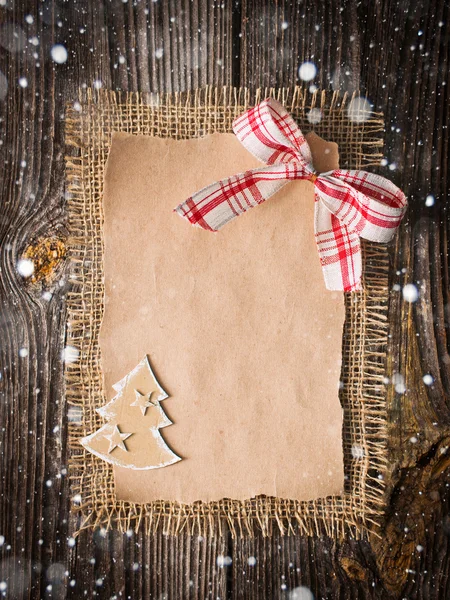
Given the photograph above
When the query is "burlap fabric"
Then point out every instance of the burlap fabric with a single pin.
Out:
(89, 127)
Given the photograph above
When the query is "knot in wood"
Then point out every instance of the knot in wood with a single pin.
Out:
(46, 255)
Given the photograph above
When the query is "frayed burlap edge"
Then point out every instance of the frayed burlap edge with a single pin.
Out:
(89, 126)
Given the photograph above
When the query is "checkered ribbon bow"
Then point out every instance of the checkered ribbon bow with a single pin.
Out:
(349, 205)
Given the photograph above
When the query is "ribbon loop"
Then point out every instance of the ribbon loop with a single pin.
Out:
(270, 133)
(349, 204)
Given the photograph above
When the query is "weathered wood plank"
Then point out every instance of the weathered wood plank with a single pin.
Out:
(107, 45)
(177, 45)
(395, 53)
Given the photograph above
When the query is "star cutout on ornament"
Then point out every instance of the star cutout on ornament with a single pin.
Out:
(117, 439)
(143, 401)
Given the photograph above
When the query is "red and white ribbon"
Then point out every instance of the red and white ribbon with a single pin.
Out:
(348, 204)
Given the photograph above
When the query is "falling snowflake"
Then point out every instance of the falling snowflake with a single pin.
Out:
(314, 116)
(399, 383)
(358, 452)
(224, 561)
(301, 593)
(75, 415)
(359, 110)
(25, 267)
(59, 54)
(410, 293)
(12, 37)
(3, 86)
(307, 71)
(70, 354)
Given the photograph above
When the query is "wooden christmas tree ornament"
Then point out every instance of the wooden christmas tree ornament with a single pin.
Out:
(131, 437)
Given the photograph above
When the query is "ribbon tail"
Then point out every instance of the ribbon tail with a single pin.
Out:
(217, 204)
(339, 251)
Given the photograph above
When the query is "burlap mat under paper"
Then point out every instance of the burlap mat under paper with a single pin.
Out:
(89, 127)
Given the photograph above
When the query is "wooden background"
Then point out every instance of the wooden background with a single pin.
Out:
(396, 52)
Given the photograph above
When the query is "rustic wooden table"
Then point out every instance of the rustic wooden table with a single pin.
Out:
(395, 52)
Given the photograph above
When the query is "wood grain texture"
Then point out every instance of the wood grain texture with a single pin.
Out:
(395, 52)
